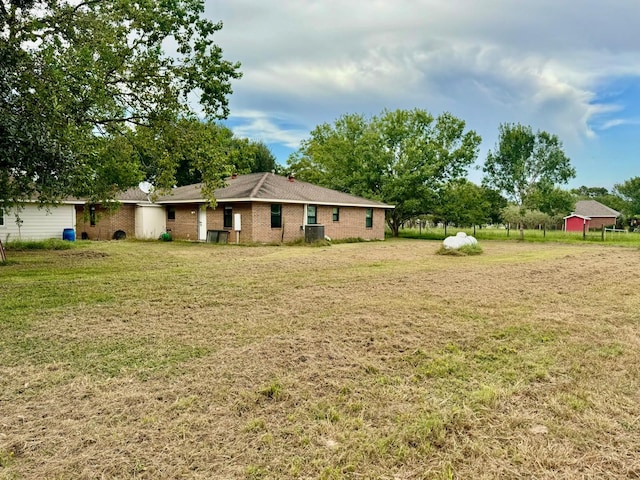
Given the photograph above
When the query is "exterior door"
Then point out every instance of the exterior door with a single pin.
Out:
(202, 223)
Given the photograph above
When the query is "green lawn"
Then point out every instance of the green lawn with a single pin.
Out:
(378, 360)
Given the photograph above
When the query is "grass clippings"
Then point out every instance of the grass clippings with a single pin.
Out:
(366, 360)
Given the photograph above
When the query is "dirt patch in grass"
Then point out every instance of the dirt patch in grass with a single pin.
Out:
(368, 360)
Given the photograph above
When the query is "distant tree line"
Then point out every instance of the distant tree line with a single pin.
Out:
(418, 163)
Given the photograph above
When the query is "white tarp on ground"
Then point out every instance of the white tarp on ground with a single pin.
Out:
(460, 240)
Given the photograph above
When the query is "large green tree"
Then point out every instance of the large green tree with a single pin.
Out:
(554, 201)
(525, 166)
(72, 71)
(203, 151)
(463, 203)
(629, 191)
(401, 157)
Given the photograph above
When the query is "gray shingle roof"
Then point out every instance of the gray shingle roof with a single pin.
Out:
(133, 195)
(268, 187)
(592, 208)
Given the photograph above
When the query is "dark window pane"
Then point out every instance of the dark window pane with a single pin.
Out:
(369, 218)
(228, 217)
(276, 215)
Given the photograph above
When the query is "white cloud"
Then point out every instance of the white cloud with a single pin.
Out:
(262, 127)
(541, 63)
(617, 122)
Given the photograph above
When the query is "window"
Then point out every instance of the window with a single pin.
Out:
(368, 218)
(92, 215)
(312, 214)
(276, 215)
(1, 218)
(228, 217)
(171, 213)
(336, 214)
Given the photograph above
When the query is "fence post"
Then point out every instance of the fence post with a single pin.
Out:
(3, 255)
(584, 230)
(603, 233)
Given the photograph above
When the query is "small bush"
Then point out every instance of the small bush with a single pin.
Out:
(350, 240)
(321, 243)
(293, 243)
(463, 251)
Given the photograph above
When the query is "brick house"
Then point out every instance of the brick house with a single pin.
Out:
(594, 215)
(259, 207)
(270, 209)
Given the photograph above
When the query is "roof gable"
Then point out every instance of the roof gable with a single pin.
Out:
(593, 208)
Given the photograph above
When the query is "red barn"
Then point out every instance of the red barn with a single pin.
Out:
(576, 223)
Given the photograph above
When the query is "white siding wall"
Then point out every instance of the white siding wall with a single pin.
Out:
(151, 221)
(38, 223)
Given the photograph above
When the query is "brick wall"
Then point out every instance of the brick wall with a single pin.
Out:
(215, 220)
(291, 222)
(185, 225)
(351, 223)
(597, 223)
(256, 222)
(107, 223)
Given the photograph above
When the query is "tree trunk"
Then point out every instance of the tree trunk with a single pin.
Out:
(393, 226)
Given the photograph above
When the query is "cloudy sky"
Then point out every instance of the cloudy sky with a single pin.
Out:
(570, 68)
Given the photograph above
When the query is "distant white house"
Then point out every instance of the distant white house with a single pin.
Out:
(32, 222)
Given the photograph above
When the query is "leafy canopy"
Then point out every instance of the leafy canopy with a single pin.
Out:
(400, 157)
(525, 163)
(203, 151)
(72, 72)
(463, 203)
(629, 191)
(526, 167)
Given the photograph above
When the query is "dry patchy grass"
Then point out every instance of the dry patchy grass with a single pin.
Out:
(380, 360)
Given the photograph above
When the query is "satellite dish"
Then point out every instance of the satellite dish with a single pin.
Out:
(145, 187)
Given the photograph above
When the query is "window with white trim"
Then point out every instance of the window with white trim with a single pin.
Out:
(312, 214)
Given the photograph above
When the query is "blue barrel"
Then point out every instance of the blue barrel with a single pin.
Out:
(69, 234)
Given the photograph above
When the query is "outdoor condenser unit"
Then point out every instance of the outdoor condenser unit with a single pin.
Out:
(313, 233)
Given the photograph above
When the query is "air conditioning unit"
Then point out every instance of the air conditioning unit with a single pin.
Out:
(313, 233)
